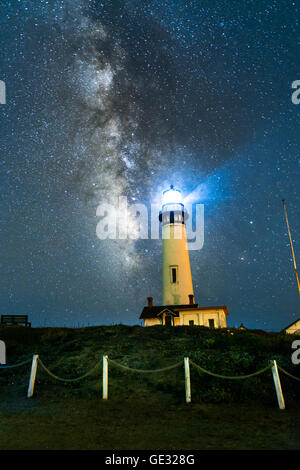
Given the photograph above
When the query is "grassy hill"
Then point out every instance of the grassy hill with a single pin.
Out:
(147, 411)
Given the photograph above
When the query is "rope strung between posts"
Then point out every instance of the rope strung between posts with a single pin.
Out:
(19, 364)
(147, 371)
(68, 380)
(287, 373)
(228, 376)
(144, 371)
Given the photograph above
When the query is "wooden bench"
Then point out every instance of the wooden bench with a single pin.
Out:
(15, 320)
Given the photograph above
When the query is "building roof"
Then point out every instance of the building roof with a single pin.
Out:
(296, 321)
(154, 311)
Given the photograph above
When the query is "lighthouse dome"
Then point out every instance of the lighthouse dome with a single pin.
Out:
(172, 196)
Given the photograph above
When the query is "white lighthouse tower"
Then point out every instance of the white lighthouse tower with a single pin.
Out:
(177, 286)
(179, 307)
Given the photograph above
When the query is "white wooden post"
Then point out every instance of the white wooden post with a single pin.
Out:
(105, 378)
(187, 380)
(32, 375)
(2, 352)
(277, 384)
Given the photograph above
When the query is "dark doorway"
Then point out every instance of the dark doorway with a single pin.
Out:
(211, 322)
(168, 320)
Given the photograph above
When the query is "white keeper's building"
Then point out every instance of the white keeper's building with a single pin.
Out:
(293, 328)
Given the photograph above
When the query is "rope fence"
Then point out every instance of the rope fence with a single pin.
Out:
(234, 377)
(288, 374)
(185, 363)
(144, 371)
(76, 379)
(19, 364)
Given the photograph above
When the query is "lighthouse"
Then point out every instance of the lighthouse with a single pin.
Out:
(179, 307)
(177, 285)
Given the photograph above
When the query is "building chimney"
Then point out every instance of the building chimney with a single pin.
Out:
(191, 297)
(150, 301)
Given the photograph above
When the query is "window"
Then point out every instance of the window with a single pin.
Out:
(191, 322)
(173, 274)
(211, 323)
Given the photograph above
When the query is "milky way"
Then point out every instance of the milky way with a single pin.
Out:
(123, 98)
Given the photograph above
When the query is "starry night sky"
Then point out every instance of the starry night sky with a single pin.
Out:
(110, 98)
